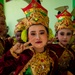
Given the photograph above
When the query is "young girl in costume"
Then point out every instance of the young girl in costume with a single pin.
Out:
(33, 57)
(18, 30)
(64, 53)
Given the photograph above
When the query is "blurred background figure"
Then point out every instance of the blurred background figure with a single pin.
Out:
(3, 31)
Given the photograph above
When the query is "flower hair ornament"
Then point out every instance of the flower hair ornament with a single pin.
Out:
(64, 19)
(35, 14)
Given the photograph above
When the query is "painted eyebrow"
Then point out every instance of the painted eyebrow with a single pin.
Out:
(39, 30)
(64, 32)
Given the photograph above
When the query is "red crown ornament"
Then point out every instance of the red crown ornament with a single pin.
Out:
(64, 20)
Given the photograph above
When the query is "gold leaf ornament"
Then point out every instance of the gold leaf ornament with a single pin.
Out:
(24, 35)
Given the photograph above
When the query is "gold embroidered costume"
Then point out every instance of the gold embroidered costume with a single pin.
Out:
(40, 64)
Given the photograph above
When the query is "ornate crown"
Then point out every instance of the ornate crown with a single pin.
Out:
(19, 27)
(64, 20)
(35, 14)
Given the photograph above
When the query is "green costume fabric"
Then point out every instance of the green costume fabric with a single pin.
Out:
(28, 71)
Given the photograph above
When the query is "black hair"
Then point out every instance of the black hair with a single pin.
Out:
(58, 12)
(38, 1)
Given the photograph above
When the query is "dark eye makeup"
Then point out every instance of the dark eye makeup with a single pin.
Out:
(34, 33)
(68, 33)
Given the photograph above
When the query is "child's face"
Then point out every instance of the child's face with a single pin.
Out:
(18, 36)
(40, 36)
(64, 36)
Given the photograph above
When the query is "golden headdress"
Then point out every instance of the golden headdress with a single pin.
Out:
(64, 19)
(35, 14)
(19, 27)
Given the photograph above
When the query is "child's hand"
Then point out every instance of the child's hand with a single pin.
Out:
(19, 47)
